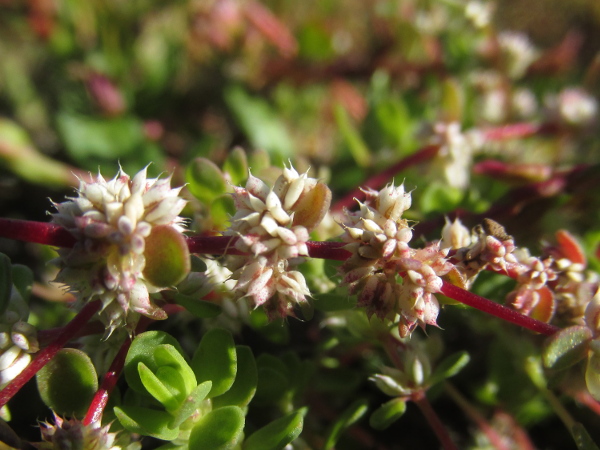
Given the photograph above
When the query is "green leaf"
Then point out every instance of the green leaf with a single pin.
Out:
(147, 422)
(197, 264)
(582, 438)
(216, 360)
(205, 180)
(191, 404)
(142, 350)
(271, 386)
(334, 302)
(167, 257)
(22, 278)
(387, 413)
(68, 382)
(221, 210)
(592, 370)
(167, 355)
(449, 367)
(93, 137)
(260, 123)
(439, 198)
(246, 380)
(350, 415)
(566, 347)
(236, 165)
(199, 308)
(277, 434)
(452, 101)
(156, 388)
(5, 282)
(220, 429)
(356, 145)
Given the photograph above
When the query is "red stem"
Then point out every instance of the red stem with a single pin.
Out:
(497, 310)
(435, 423)
(94, 413)
(517, 130)
(37, 232)
(379, 180)
(46, 354)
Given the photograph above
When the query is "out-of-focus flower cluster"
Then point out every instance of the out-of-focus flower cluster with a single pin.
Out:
(272, 225)
(18, 341)
(390, 277)
(111, 221)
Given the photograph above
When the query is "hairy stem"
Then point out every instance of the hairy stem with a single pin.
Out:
(50, 234)
(497, 310)
(46, 354)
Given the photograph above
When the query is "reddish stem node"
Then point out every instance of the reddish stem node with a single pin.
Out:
(46, 354)
(497, 310)
(94, 413)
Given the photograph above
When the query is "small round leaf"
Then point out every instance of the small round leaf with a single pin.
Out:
(205, 180)
(566, 347)
(387, 414)
(68, 382)
(167, 257)
(277, 434)
(143, 350)
(244, 386)
(216, 360)
(220, 429)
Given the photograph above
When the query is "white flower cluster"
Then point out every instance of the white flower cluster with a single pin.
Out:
(456, 152)
(518, 52)
(111, 220)
(74, 434)
(378, 237)
(272, 225)
(18, 341)
(573, 106)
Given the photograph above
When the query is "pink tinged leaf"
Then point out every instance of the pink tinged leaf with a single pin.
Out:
(248, 273)
(257, 187)
(432, 309)
(546, 305)
(265, 246)
(495, 246)
(570, 247)
(312, 206)
(288, 251)
(143, 229)
(389, 248)
(96, 229)
(287, 236)
(369, 290)
(125, 225)
(138, 184)
(356, 274)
